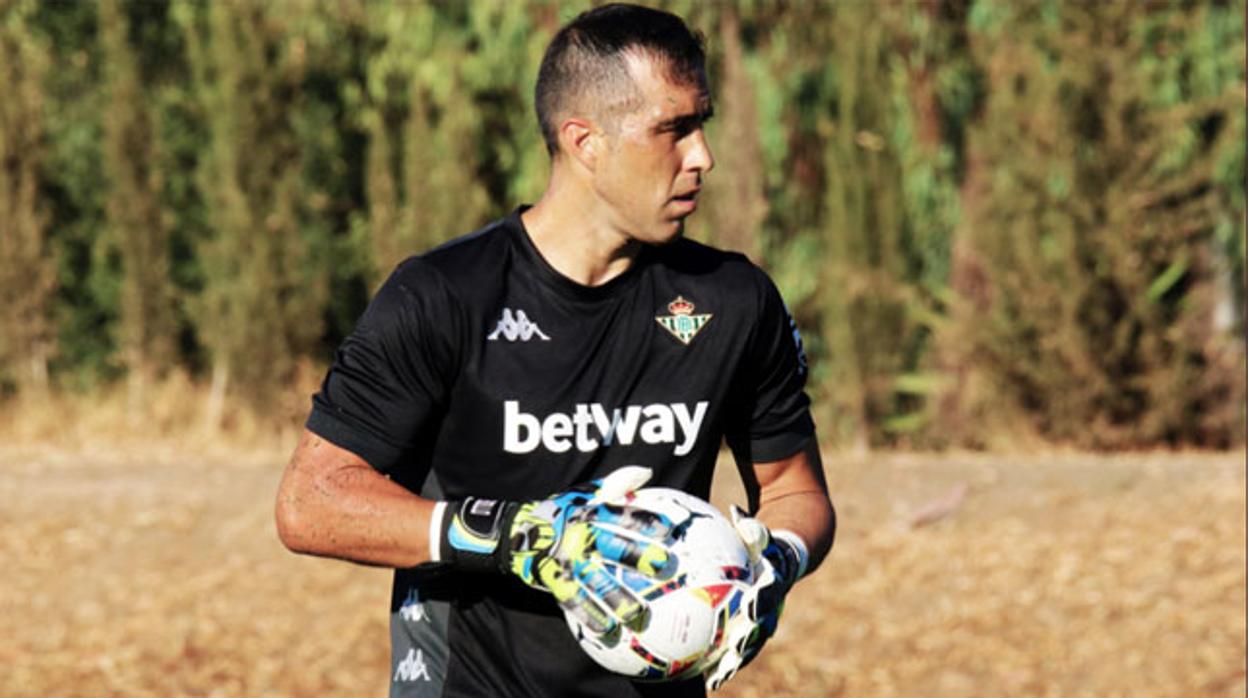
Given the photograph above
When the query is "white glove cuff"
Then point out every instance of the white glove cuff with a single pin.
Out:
(435, 532)
(803, 555)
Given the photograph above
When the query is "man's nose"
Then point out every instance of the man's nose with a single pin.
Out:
(698, 157)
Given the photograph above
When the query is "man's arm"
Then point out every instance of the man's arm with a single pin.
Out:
(790, 498)
(792, 494)
(334, 504)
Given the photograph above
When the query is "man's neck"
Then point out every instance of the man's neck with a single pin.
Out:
(573, 234)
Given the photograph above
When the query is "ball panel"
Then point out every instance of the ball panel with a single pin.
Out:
(689, 610)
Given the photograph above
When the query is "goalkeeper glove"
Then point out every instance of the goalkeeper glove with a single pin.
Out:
(569, 544)
(779, 559)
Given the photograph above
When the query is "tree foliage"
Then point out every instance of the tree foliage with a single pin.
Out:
(990, 218)
(259, 307)
(27, 268)
(138, 227)
(1094, 226)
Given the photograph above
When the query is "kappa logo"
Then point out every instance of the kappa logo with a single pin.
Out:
(516, 326)
(413, 609)
(412, 667)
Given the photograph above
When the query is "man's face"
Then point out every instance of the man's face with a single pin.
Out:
(655, 156)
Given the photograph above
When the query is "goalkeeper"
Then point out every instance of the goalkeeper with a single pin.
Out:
(472, 432)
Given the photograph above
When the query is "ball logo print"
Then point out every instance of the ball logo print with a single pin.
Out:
(689, 606)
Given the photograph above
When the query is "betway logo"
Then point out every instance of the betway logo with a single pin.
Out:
(590, 426)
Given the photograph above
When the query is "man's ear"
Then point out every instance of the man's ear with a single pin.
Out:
(581, 140)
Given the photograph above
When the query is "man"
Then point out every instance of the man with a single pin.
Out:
(491, 378)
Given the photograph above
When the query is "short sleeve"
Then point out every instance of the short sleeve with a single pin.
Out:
(778, 421)
(390, 379)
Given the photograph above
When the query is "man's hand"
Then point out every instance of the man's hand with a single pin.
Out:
(570, 544)
(779, 559)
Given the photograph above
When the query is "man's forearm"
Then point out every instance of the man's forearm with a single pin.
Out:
(793, 496)
(332, 504)
(810, 515)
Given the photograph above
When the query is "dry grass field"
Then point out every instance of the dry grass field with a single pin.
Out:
(954, 575)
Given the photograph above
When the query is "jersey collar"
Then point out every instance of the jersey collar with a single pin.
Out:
(550, 277)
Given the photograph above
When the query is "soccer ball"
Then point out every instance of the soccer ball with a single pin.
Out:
(683, 634)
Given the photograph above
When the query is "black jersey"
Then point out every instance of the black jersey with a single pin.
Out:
(478, 369)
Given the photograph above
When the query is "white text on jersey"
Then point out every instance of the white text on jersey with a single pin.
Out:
(591, 426)
(516, 326)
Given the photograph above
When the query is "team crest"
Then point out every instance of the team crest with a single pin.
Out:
(682, 323)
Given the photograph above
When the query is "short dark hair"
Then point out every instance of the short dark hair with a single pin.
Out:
(587, 56)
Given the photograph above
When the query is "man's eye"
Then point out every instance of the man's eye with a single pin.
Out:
(681, 129)
(684, 130)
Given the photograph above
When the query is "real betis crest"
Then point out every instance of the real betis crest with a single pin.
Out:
(682, 323)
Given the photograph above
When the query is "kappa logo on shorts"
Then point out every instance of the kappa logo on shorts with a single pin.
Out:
(412, 667)
(682, 323)
(413, 609)
(516, 327)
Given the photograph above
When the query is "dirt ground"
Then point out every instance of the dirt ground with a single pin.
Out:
(953, 575)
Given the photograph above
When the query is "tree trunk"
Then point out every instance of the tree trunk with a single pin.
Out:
(216, 395)
(38, 367)
(741, 204)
